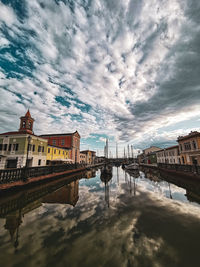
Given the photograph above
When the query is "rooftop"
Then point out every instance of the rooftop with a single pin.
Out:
(59, 134)
(191, 134)
(85, 151)
(168, 148)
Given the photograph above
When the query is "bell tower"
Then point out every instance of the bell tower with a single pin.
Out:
(26, 124)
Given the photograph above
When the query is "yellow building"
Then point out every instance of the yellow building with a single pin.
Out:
(89, 156)
(189, 147)
(57, 155)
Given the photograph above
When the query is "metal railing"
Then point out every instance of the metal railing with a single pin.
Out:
(13, 175)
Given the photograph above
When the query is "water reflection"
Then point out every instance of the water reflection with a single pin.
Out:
(67, 194)
(106, 176)
(150, 221)
(13, 208)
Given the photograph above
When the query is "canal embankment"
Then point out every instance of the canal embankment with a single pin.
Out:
(18, 178)
(187, 172)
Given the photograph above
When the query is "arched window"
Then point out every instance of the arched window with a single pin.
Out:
(23, 124)
(183, 160)
(29, 124)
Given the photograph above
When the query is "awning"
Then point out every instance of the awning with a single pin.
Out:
(66, 160)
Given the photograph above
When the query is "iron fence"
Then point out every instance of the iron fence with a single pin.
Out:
(13, 175)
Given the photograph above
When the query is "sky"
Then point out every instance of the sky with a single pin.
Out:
(127, 70)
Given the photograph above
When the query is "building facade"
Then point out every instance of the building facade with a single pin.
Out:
(70, 141)
(151, 149)
(22, 148)
(189, 147)
(169, 155)
(89, 156)
(57, 155)
(82, 158)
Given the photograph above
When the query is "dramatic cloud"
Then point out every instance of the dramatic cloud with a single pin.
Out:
(124, 69)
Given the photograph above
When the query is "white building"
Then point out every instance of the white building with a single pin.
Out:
(169, 155)
(151, 149)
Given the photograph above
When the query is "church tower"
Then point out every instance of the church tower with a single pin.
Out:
(26, 124)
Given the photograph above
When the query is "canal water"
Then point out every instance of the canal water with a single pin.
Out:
(130, 220)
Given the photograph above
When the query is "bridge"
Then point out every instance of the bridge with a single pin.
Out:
(121, 161)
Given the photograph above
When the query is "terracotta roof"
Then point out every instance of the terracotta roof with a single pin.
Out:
(168, 148)
(15, 133)
(19, 133)
(171, 147)
(59, 134)
(85, 151)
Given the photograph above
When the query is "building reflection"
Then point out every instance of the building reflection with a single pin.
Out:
(90, 174)
(152, 174)
(67, 194)
(14, 219)
(13, 209)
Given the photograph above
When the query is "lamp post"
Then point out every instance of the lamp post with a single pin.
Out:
(75, 159)
(26, 166)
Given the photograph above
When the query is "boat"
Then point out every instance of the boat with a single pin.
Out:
(106, 174)
(133, 172)
(133, 166)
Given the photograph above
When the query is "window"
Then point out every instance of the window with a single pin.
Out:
(54, 151)
(33, 148)
(48, 150)
(29, 147)
(63, 142)
(16, 147)
(5, 147)
(39, 148)
(194, 144)
(29, 125)
(54, 142)
(1, 146)
(181, 147)
(39, 162)
(9, 147)
(187, 146)
(23, 124)
(43, 149)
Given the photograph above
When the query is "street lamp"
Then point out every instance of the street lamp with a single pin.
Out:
(28, 147)
(26, 166)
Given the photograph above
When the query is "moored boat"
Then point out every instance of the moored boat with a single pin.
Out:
(133, 166)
